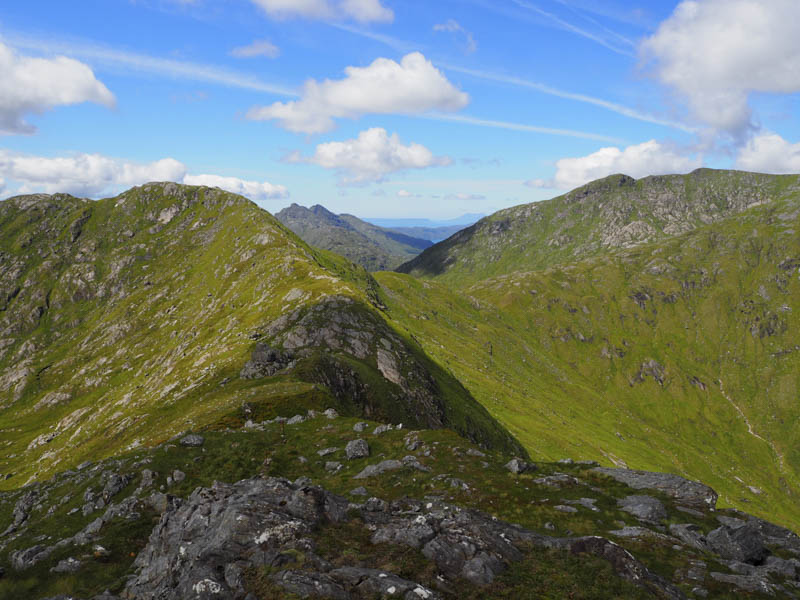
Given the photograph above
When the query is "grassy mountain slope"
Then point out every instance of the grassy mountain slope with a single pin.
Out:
(127, 320)
(605, 215)
(374, 248)
(677, 355)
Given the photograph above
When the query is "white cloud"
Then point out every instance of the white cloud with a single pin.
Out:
(255, 190)
(34, 85)
(83, 174)
(257, 48)
(649, 158)
(453, 26)
(94, 175)
(411, 86)
(363, 11)
(372, 156)
(462, 196)
(769, 153)
(407, 194)
(714, 53)
(162, 67)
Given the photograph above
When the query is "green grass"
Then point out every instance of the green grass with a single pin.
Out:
(556, 355)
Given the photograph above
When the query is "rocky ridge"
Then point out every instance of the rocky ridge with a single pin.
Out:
(281, 530)
(613, 213)
(129, 319)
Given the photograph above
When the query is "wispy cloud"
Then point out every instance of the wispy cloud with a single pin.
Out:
(572, 28)
(453, 26)
(144, 63)
(387, 40)
(546, 89)
(584, 15)
(522, 127)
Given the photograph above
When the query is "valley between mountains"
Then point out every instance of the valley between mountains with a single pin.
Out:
(531, 368)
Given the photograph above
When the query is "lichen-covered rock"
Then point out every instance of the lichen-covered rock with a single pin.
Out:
(250, 521)
(743, 544)
(519, 466)
(687, 492)
(356, 449)
(192, 440)
(644, 508)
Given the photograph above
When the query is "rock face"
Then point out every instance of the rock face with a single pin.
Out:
(743, 543)
(689, 493)
(404, 386)
(265, 362)
(202, 548)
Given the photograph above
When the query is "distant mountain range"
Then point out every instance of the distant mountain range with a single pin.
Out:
(371, 246)
(427, 229)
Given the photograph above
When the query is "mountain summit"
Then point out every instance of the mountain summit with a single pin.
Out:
(372, 247)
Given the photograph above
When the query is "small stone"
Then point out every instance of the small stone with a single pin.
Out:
(549, 526)
(565, 509)
(360, 426)
(326, 451)
(193, 440)
(332, 466)
(302, 460)
(356, 449)
(296, 420)
(148, 478)
(566, 461)
(178, 476)
(359, 491)
(331, 413)
(381, 429)
(474, 452)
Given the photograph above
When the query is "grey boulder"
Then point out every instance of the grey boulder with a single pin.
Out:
(644, 508)
(356, 449)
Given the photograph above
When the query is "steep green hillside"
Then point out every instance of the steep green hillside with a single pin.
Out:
(605, 215)
(374, 248)
(680, 355)
(127, 320)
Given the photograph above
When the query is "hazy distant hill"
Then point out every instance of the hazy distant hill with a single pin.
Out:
(428, 229)
(373, 247)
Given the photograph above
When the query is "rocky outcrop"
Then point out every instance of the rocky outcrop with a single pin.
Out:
(685, 492)
(202, 548)
(265, 362)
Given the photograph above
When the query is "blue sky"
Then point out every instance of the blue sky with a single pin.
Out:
(384, 108)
